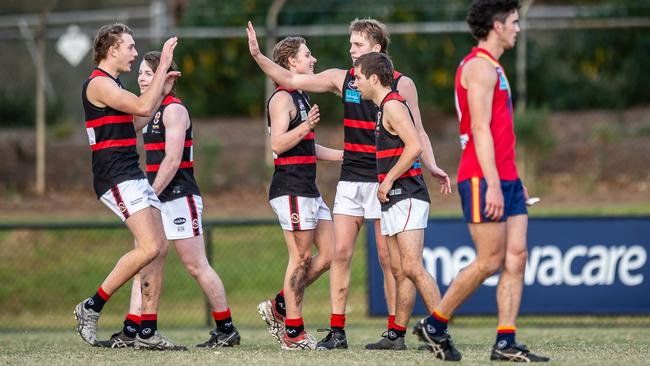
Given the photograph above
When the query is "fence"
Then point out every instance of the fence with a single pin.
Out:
(45, 269)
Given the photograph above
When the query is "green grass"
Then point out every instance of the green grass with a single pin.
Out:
(565, 346)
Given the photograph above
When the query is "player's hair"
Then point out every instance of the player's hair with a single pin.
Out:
(152, 59)
(376, 63)
(108, 36)
(373, 30)
(285, 49)
(483, 14)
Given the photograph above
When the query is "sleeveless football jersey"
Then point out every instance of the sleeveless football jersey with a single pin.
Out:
(112, 140)
(183, 183)
(295, 169)
(389, 149)
(501, 125)
(359, 119)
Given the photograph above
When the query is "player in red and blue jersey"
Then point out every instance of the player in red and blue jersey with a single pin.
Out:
(493, 197)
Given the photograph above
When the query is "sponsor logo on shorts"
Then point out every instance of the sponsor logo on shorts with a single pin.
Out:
(136, 201)
(179, 220)
(195, 224)
(295, 218)
(311, 219)
(121, 206)
(180, 229)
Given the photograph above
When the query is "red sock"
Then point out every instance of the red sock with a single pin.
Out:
(337, 321)
(391, 321)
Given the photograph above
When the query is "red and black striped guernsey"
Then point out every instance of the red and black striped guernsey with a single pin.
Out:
(112, 139)
(359, 119)
(183, 183)
(389, 149)
(295, 169)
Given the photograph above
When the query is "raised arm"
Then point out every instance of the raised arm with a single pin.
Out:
(407, 89)
(330, 80)
(282, 110)
(176, 121)
(480, 79)
(105, 92)
(396, 119)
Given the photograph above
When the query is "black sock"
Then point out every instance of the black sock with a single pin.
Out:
(394, 333)
(96, 302)
(338, 329)
(225, 325)
(280, 306)
(148, 325)
(294, 327)
(131, 326)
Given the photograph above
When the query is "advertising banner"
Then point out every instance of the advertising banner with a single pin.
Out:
(575, 266)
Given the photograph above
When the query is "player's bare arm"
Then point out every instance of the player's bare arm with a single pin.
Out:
(330, 80)
(105, 92)
(479, 79)
(408, 90)
(176, 121)
(397, 121)
(282, 110)
(328, 154)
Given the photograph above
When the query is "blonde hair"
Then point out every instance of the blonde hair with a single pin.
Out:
(373, 30)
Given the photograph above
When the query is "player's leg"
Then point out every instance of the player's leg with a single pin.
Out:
(346, 229)
(509, 293)
(131, 325)
(191, 252)
(393, 337)
(410, 245)
(295, 280)
(390, 281)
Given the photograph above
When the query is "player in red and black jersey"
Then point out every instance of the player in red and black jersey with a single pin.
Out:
(168, 144)
(293, 195)
(493, 197)
(118, 181)
(357, 189)
(402, 191)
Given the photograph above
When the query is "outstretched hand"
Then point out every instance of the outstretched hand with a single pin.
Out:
(253, 46)
(167, 54)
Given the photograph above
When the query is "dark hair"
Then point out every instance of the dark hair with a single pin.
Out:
(285, 49)
(483, 14)
(373, 30)
(152, 59)
(376, 63)
(106, 37)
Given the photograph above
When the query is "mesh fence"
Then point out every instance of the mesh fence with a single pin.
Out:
(46, 269)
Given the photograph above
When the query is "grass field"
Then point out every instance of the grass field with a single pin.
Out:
(565, 346)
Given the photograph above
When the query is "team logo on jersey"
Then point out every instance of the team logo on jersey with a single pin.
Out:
(156, 118)
(503, 80)
(121, 206)
(352, 96)
(295, 218)
(179, 220)
(195, 224)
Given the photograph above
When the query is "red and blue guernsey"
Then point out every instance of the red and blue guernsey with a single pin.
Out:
(501, 125)
(389, 149)
(183, 183)
(112, 139)
(295, 169)
(359, 119)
